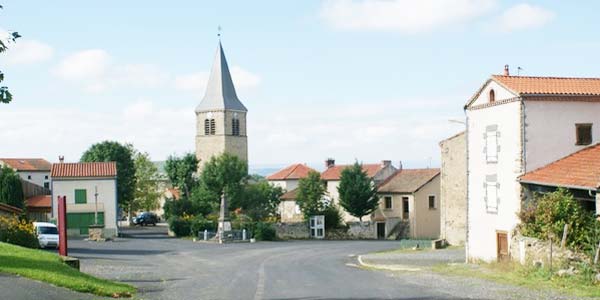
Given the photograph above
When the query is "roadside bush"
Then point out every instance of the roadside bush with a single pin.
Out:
(181, 226)
(199, 224)
(18, 232)
(333, 217)
(264, 232)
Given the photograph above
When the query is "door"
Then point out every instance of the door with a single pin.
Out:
(381, 231)
(502, 245)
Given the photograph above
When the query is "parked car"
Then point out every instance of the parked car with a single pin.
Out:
(146, 218)
(47, 234)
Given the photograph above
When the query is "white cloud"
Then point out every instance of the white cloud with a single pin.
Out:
(523, 16)
(242, 79)
(84, 65)
(405, 16)
(24, 52)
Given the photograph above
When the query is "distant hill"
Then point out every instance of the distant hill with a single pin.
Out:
(259, 170)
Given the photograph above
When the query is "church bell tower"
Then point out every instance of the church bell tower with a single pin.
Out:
(220, 116)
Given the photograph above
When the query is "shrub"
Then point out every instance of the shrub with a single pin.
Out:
(18, 232)
(181, 226)
(264, 232)
(333, 217)
(199, 224)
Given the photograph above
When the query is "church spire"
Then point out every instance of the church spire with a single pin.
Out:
(220, 92)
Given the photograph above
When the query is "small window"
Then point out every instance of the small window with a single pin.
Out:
(46, 177)
(405, 209)
(212, 127)
(584, 134)
(80, 196)
(492, 146)
(491, 194)
(209, 126)
(388, 202)
(47, 185)
(492, 96)
(235, 126)
(29, 177)
(432, 202)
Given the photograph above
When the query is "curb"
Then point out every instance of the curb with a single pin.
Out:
(387, 267)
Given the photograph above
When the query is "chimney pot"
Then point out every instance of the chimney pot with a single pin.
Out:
(506, 71)
(386, 163)
(61, 159)
(330, 162)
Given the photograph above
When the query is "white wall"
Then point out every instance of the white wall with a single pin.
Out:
(500, 92)
(550, 129)
(106, 197)
(36, 177)
(287, 185)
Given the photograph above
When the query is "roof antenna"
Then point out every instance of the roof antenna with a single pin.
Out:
(219, 32)
(519, 69)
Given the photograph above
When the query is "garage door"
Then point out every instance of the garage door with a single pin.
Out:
(82, 221)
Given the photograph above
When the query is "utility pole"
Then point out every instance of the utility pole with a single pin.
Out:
(96, 203)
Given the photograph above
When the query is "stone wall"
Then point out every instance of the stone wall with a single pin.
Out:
(286, 231)
(354, 231)
(453, 190)
(531, 250)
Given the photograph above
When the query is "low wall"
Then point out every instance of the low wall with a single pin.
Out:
(526, 249)
(286, 231)
(354, 231)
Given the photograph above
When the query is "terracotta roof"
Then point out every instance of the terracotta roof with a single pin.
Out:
(295, 171)
(91, 169)
(10, 208)
(524, 85)
(578, 170)
(335, 172)
(291, 195)
(407, 180)
(41, 201)
(27, 164)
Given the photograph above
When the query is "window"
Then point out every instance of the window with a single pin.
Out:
(47, 185)
(584, 134)
(235, 126)
(209, 126)
(46, 177)
(29, 177)
(80, 196)
(492, 147)
(491, 186)
(405, 208)
(492, 96)
(212, 127)
(388, 202)
(432, 202)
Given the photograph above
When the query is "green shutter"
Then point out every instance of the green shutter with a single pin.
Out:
(80, 196)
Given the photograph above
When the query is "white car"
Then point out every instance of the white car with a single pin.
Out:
(47, 234)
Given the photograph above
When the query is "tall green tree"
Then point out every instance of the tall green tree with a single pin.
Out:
(358, 194)
(11, 189)
(311, 190)
(181, 172)
(147, 191)
(225, 173)
(258, 200)
(5, 95)
(123, 156)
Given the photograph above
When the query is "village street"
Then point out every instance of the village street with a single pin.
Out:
(169, 268)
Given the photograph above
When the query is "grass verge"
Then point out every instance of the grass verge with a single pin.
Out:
(48, 267)
(534, 278)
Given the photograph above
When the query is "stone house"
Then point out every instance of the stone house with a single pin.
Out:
(517, 124)
(453, 189)
(409, 205)
(34, 170)
(83, 184)
(288, 179)
(332, 174)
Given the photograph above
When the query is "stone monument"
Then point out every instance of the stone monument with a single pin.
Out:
(224, 222)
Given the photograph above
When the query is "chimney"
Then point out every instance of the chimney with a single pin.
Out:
(330, 162)
(386, 163)
(61, 159)
(506, 71)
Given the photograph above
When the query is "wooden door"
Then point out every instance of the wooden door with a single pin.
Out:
(381, 231)
(502, 245)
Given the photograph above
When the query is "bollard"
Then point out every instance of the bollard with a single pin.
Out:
(206, 234)
(244, 235)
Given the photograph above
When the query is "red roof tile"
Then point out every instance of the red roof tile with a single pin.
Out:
(27, 164)
(335, 172)
(295, 171)
(42, 201)
(91, 169)
(578, 170)
(291, 195)
(550, 85)
(407, 180)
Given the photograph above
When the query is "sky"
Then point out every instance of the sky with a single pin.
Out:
(364, 80)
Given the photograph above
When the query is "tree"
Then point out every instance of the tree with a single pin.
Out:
(310, 195)
(258, 200)
(11, 189)
(181, 171)
(224, 174)
(123, 156)
(358, 195)
(147, 192)
(5, 95)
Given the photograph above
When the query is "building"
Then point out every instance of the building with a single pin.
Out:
(220, 116)
(34, 170)
(332, 175)
(578, 172)
(9, 210)
(39, 208)
(453, 189)
(517, 124)
(84, 185)
(288, 179)
(409, 205)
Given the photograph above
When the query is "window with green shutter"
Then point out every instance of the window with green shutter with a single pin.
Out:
(80, 196)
